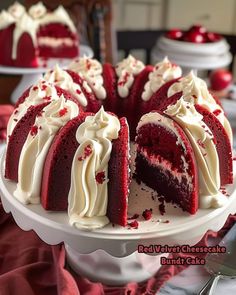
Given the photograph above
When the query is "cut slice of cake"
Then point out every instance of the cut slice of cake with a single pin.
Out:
(165, 161)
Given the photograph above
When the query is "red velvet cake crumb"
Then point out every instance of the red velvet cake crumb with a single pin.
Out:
(147, 214)
(78, 91)
(34, 130)
(62, 112)
(35, 88)
(217, 112)
(100, 177)
(47, 98)
(201, 144)
(135, 216)
(134, 224)
(87, 152)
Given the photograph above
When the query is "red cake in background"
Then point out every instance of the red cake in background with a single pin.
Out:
(183, 140)
(27, 36)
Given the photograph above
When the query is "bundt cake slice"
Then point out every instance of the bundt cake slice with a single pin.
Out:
(165, 161)
(54, 193)
(32, 156)
(98, 192)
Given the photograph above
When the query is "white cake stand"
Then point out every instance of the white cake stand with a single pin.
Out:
(190, 56)
(31, 75)
(110, 255)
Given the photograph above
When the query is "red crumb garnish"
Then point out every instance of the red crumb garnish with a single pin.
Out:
(122, 83)
(62, 112)
(40, 113)
(147, 214)
(134, 224)
(201, 144)
(16, 111)
(100, 177)
(35, 88)
(78, 91)
(44, 87)
(34, 130)
(234, 158)
(162, 205)
(135, 216)
(87, 152)
(47, 97)
(217, 112)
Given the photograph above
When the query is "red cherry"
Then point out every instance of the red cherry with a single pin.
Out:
(174, 34)
(220, 79)
(198, 29)
(194, 37)
(212, 37)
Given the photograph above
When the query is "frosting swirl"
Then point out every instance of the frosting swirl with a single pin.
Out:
(201, 138)
(16, 10)
(163, 72)
(6, 19)
(126, 70)
(195, 90)
(39, 93)
(91, 71)
(33, 154)
(37, 11)
(61, 78)
(89, 176)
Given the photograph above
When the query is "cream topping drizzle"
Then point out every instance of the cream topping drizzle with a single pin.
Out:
(195, 90)
(126, 70)
(16, 10)
(201, 138)
(91, 71)
(38, 10)
(39, 93)
(33, 154)
(61, 78)
(59, 15)
(24, 25)
(6, 19)
(89, 176)
(163, 72)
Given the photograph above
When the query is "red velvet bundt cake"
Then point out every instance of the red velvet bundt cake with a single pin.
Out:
(183, 140)
(26, 36)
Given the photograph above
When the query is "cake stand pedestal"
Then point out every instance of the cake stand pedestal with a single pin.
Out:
(109, 255)
(32, 75)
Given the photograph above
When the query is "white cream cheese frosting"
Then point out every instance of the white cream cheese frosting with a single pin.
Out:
(17, 10)
(91, 70)
(201, 138)
(88, 194)
(39, 93)
(38, 10)
(59, 15)
(195, 89)
(6, 19)
(61, 78)
(126, 70)
(34, 151)
(24, 25)
(163, 72)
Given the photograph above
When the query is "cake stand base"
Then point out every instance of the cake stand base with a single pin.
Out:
(100, 266)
